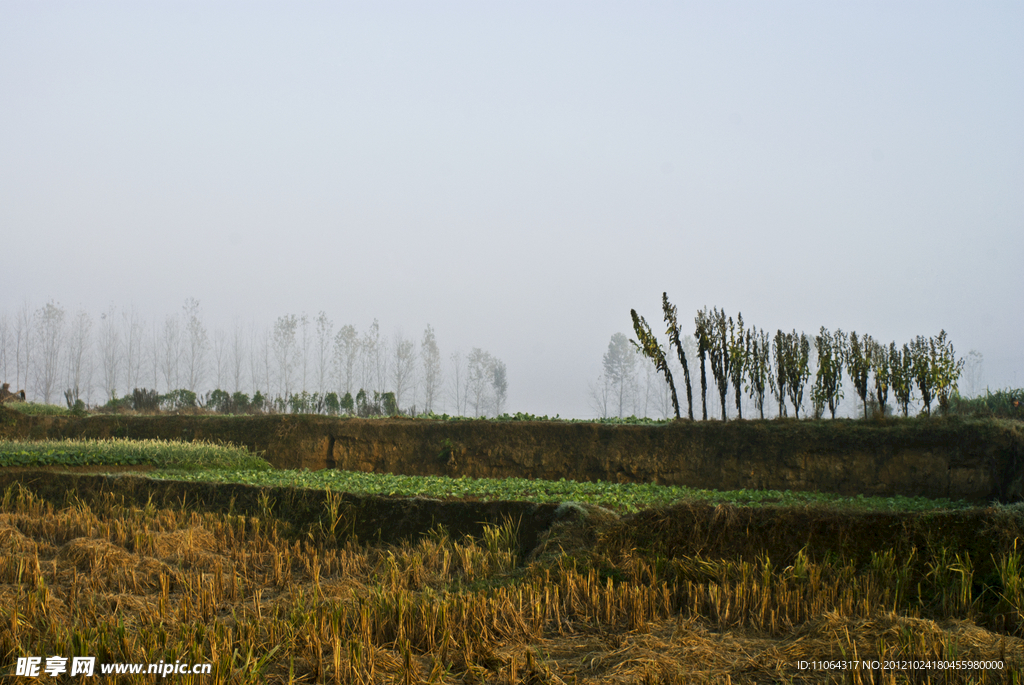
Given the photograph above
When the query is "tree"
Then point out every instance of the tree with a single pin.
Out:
(780, 378)
(197, 344)
(974, 372)
(478, 367)
(828, 384)
(403, 367)
(133, 331)
(237, 358)
(758, 366)
(719, 354)
(346, 358)
(458, 383)
(920, 350)
(946, 369)
(23, 344)
(880, 370)
(798, 349)
(499, 385)
(672, 322)
(702, 333)
(648, 346)
(79, 356)
(737, 352)
(110, 351)
(284, 342)
(901, 371)
(50, 334)
(322, 353)
(619, 363)
(430, 356)
(170, 349)
(858, 365)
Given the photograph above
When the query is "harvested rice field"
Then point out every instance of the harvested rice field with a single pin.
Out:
(681, 595)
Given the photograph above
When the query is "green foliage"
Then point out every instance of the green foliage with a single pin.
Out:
(652, 349)
(703, 334)
(33, 409)
(177, 400)
(122, 452)
(627, 497)
(920, 350)
(1006, 404)
(332, 404)
(348, 404)
(946, 369)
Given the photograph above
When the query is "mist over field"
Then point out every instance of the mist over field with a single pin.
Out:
(517, 178)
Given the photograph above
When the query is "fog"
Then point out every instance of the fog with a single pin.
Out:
(520, 176)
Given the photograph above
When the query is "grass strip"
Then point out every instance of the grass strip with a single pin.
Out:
(165, 454)
(622, 497)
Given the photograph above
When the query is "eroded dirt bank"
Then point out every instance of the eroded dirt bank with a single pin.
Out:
(956, 458)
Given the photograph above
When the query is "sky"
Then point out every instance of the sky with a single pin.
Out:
(520, 175)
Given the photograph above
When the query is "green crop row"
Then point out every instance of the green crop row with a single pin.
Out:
(164, 454)
(623, 497)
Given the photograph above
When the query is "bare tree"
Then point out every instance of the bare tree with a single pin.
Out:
(197, 344)
(284, 352)
(220, 358)
(238, 356)
(346, 358)
(170, 358)
(478, 365)
(458, 381)
(111, 351)
(430, 355)
(974, 372)
(132, 332)
(78, 368)
(499, 385)
(372, 363)
(403, 367)
(50, 334)
(322, 353)
(304, 350)
(23, 342)
(619, 376)
(5, 346)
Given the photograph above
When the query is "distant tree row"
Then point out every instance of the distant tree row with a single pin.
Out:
(297, 364)
(778, 368)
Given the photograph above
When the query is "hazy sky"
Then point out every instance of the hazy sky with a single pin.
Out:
(519, 175)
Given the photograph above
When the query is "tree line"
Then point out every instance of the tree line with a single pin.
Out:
(777, 370)
(298, 364)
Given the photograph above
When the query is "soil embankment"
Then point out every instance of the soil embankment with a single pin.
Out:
(969, 459)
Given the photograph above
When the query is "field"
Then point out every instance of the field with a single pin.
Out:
(235, 567)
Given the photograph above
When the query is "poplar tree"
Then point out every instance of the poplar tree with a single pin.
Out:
(650, 348)
(901, 373)
(920, 349)
(703, 347)
(798, 348)
(828, 385)
(758, 366)
(858, 365)
(737, 359)
(719, 352)
(673, 332)
(881, 370)
(779, 379)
